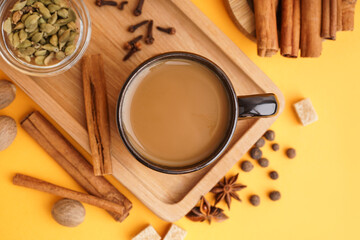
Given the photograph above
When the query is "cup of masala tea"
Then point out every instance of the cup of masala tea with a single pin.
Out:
(177, 112)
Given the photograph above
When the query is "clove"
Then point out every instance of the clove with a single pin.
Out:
(133, 50)
(103, 3)
(138, 9)
(133, 28)
(169, 30)
(122, 4)
(110, 3)
(133, 42)
(149, 38)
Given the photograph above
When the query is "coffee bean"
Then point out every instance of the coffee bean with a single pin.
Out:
(275, 147)
(260, 143)
(270, 135)
(256, 153)
(263, 162)
(247, 166)
(274, 175)
(275, 195)
(291, 153)
(255, 200)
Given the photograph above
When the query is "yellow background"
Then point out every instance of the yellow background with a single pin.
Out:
(320, 188)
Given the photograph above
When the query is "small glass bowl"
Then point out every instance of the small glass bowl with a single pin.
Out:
(6, 52)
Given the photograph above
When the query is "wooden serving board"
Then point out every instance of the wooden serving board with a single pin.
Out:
(243, 16)
(170, 197)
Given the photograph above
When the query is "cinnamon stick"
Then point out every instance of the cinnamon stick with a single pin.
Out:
(339, 15)
(310, 34)
(55, 144)
(290, 28)
(266, 27)
(329, 19)
(34, 183)
(97, 116)
(348, 11)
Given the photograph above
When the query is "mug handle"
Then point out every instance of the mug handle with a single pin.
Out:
(260, 105)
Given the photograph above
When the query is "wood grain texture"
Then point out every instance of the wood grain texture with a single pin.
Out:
(168, 196)
(243, 16)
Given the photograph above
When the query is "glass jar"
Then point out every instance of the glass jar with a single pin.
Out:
(7, 53)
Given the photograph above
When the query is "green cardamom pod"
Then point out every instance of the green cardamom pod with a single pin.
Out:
(16, 40)
(53, 18)
(25, 44)
(50, 48)
(30, 2)
(37, 37)
(71, 40)
(32, 19)
(24, 17)
(11, 39)
(72, 26)
(54, 40)
(42, 41)
(56, 29)
(7, 26)
(40, 53)
(39, 60)
(31, 23)
(72, 15)
(62, 30)
(63, 13)
(60, 55)
(73, 35)
(62, 22)
(27, 51)
(53, 8)
(27, 58)
(42, 9)
(19, 26)
(41, 21)
(64, 38)
(33, 33)
(46, 2)
(31, 28)
(49, 58)
(18, 6)
(62, 3)
(70, 50)
(46, 27)
(22, 35)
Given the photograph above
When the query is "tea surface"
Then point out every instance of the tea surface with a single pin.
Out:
(176, 113)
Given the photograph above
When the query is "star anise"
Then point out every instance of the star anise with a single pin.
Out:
(227, 189)
(206, 212)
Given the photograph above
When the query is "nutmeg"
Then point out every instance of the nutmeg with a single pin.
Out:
(8, 131)
(7, 93)
(68, 212)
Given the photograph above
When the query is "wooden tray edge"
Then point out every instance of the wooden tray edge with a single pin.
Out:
(219, 38)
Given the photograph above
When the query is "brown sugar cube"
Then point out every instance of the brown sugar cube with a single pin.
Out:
(305, 111)
(148, 233)
(175, 233)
